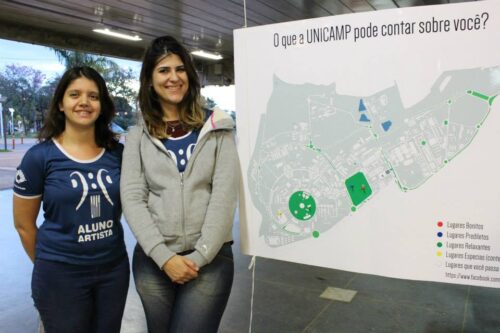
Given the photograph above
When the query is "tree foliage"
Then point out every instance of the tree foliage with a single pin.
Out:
(22, 88)
(77, 58)
(210, 103)
(126, 116)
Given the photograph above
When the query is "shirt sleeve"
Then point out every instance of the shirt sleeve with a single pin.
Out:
(30, 175)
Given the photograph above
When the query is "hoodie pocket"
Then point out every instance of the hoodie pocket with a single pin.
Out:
(166, 213)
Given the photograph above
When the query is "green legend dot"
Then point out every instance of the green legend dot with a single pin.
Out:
(315, 234)
(302, 205)
(423, 142)
(478, 125)
(445, 161)
(439, 244)
(446, 122)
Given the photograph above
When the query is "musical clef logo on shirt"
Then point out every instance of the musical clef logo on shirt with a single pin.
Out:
(97, 181)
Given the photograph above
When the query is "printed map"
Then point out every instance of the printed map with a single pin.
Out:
(320, 156)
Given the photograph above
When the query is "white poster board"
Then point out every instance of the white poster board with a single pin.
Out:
(369, 142)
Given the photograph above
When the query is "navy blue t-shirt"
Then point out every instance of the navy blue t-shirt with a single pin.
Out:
(81, 203)
(181, 148)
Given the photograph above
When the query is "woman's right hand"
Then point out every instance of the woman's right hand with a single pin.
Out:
(180, 269)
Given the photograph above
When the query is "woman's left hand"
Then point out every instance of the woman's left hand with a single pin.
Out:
(180, 269)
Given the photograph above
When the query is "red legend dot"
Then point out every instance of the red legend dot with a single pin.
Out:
(440, 224)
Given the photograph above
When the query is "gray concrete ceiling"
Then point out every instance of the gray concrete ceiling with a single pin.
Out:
(205, 24)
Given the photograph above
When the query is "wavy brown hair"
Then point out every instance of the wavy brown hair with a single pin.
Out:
(191, 113)
(55, 121)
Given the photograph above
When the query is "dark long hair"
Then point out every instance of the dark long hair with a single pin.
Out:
(191, 113)
(55, 121)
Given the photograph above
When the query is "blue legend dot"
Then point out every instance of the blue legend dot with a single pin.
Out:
(440, 234)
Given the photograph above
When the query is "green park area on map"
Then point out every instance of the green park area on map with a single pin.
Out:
(358, 188)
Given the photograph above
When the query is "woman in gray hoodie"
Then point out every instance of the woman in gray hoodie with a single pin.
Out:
(179, 186)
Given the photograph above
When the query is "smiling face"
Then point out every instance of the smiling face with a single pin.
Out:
(81, 103)
(170, 81)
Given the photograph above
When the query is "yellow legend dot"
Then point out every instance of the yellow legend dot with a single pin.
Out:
(439, 253)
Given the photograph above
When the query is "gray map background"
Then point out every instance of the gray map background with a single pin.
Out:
(311, 139)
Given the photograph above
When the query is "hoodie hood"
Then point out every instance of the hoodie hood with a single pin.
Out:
(217, 120)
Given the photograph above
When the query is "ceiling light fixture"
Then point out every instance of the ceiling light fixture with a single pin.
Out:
(109, 32)
(207, 55)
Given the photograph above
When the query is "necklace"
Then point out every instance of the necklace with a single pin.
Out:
(174, 125)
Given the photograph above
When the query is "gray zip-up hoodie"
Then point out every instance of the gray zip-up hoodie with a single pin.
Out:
(170, 212)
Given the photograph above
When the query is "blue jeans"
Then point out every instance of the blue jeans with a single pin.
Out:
(196, 306)
(80, 299)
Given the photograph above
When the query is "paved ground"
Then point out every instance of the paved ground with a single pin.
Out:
(286, 295)
(10, 160)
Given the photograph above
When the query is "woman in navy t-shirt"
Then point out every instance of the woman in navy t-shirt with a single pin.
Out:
(81, 269)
